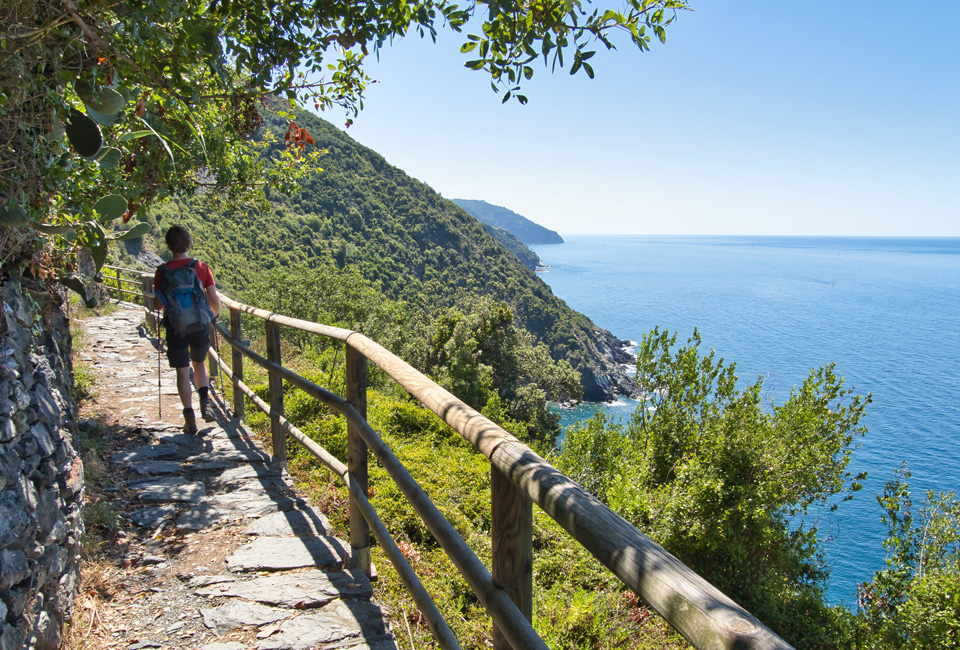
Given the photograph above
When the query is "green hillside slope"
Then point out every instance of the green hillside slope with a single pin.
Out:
(525, 230)
(399, 233)
(526, 256)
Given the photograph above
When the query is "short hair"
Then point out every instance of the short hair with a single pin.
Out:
(178, 239)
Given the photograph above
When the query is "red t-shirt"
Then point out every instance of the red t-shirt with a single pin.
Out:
(203, 272)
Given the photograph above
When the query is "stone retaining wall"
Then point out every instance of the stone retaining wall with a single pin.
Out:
(41, 476)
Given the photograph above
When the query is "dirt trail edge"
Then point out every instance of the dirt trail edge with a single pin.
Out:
(216, 550)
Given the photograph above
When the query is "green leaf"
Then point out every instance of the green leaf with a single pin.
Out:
(99, 255)
(12, 214)
(84, 90)
(136, 232)
(97, 244)
(110, 207)
(76, 284)
(134, 135)
(103, 119)
(588, 69)
(84, 134)
(107, 102)
(108, 158)
(467, 47)
(163, 141)
(50, 229)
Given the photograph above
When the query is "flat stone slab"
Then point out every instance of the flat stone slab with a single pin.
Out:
(234, 474)
(155, 467)
(182, 439)
(385, 642)
(276, 485)
(276, 553)
(232, 645)
(156, 483)
(205, 515)
(198, 582)
(211, 465)
(239, 613)
(232, 456)
(337, 621)
(221, 433)
(147, 452)
(303, 590)
(159, 425)
(151, 517)
(190, 493)
(302, 522)
(256, 502)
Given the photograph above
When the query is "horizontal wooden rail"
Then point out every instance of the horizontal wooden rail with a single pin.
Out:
(494, 599)
(705, 616)
(121, 268)
(436, 623)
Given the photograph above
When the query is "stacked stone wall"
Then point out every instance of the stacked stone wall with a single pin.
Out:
(41, 476)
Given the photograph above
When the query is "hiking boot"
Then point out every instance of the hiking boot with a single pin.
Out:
(206, 410)
(189, 421)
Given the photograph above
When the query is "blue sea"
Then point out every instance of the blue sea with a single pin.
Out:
(885, 310)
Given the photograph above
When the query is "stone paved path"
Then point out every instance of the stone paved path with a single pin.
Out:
(221, 553)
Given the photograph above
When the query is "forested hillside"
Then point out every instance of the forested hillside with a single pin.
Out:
(363, 213)
(525, 230)
(526, 256)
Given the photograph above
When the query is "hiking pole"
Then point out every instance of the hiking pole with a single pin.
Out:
(159, 395)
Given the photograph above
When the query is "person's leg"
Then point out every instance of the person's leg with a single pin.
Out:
(200, 375)
(183, 387)
(179, 357)
(199, 345)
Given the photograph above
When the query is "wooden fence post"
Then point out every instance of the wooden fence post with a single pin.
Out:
(356, 388)
(236, 367)
(146, 291)
(511, 529)
(213, 368)
(276, 395)
(119, 286)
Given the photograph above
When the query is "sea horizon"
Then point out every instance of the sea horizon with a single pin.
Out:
(882, 308)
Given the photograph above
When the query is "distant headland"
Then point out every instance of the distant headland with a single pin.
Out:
(522, 228)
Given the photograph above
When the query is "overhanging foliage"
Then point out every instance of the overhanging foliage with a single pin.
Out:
(143, 100)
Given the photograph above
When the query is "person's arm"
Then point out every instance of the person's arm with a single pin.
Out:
(213, 299)
(157, 279)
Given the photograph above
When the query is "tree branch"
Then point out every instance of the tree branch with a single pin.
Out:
(106, 48)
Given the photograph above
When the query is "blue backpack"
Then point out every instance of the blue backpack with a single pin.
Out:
(184, 299)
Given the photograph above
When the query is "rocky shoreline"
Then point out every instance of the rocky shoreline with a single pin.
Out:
(604, 377)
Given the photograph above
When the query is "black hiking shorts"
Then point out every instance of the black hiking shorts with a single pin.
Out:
(181, 350)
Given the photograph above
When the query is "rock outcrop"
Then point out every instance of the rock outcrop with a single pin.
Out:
(604, 375)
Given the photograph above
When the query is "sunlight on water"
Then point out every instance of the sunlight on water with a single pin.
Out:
(885, 310)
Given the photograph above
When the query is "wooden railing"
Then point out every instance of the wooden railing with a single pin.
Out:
(114, 281)
(705, 616)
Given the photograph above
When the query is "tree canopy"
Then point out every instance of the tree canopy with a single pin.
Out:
(107, 106)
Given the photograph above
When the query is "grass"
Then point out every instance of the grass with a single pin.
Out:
(577, 602)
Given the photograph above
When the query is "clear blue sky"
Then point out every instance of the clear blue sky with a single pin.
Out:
(756, 117)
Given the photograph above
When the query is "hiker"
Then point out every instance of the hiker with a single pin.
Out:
(185, 289)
